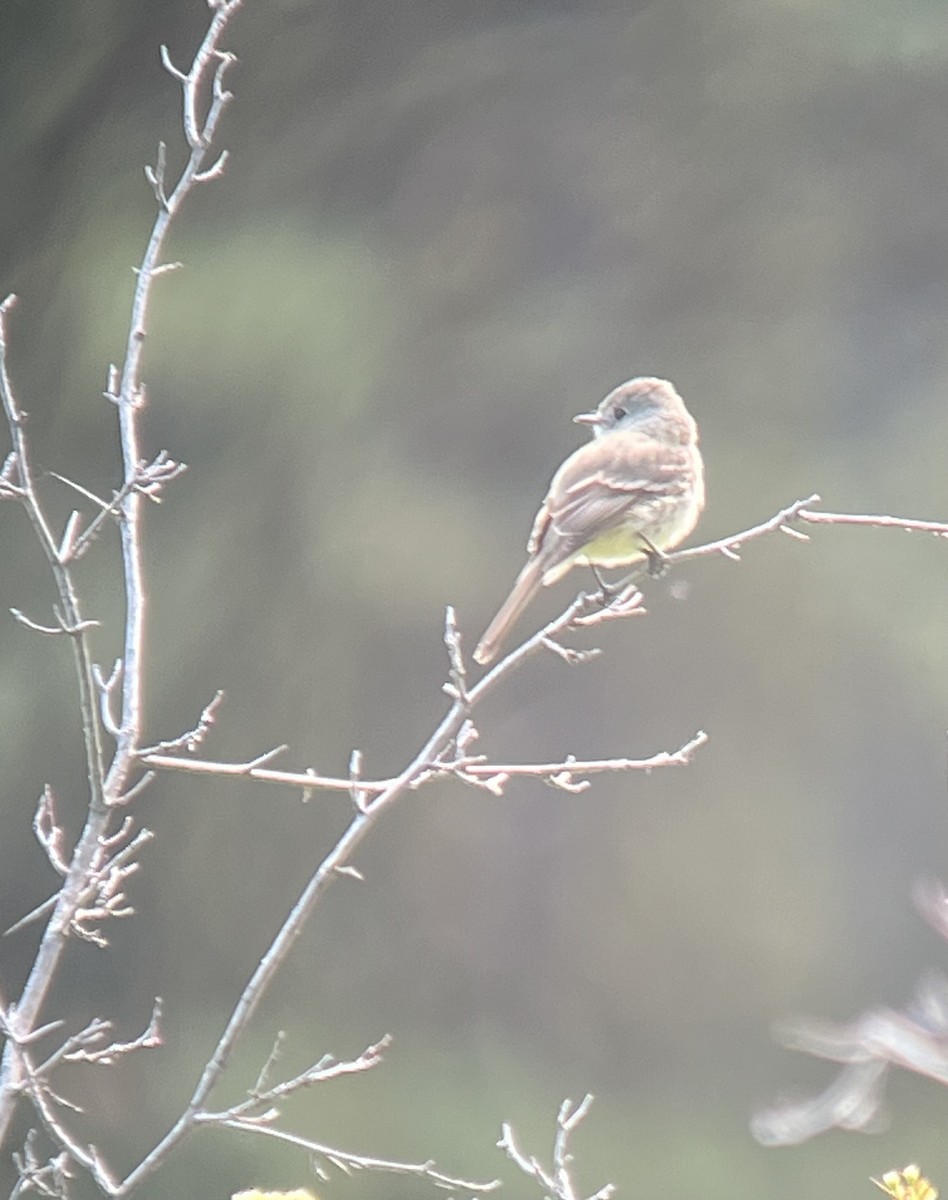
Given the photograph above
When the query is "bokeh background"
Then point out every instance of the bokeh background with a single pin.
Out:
(447, 227)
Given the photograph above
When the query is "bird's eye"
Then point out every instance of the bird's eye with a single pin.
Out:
(619, 413)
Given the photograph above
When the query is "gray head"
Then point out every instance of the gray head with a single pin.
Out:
(646, 405)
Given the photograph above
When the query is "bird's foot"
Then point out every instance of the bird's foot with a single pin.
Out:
(656, 561)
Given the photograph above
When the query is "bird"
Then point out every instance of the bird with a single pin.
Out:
(631, 494)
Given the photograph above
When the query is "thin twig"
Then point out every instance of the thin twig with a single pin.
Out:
(43, 1100)
(56, 934)
(909, 524)
(346, 1161)
(323, 1071)
(557, 1182)
(366, 787)
(126, 389)
(729, 546)
(208, 66)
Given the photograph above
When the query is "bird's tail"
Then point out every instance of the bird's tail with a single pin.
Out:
(527, 585)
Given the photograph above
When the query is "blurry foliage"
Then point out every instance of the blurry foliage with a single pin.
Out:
(446, 228)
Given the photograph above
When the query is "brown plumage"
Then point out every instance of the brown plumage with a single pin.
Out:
(636, 488)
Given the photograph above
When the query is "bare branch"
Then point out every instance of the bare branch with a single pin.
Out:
(206, 71)
(106, 688)
(346, 1161)
(457, 688)
(215, 171)
(92, 889)
(573, 658)
(149, 479)
(253, 769)
(36, 914)
(132, 793)
(558, 1182)
(359, 794)
(627, 602)
(469, 769)
(49, 630)
(50, 1178)
(440, 754)
(49, 832)
(45, 1102)
(67, 543)
(323, 1071)
(70, 620)
(785, 522)
(149, 1039)
(909, 524)
(170, 67)
(192, 738)
(351, 872)
(82, 491)
(100, 895)
(263, 1077)
(730, 546)
(572, 766)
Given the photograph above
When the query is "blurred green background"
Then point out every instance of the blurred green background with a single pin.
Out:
(447, 227)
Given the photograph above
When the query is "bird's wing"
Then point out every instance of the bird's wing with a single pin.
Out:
(594, 490)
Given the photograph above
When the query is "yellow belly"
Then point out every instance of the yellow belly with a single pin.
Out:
(661, 525)
(617, 548)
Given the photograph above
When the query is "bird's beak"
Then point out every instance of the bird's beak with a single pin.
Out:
(590, 418)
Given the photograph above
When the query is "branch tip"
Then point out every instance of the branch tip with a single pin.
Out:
(169, 65)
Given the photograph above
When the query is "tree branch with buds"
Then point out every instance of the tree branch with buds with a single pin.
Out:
(95, 871)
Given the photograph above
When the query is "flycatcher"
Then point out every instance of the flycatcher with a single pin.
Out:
(633, 492)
